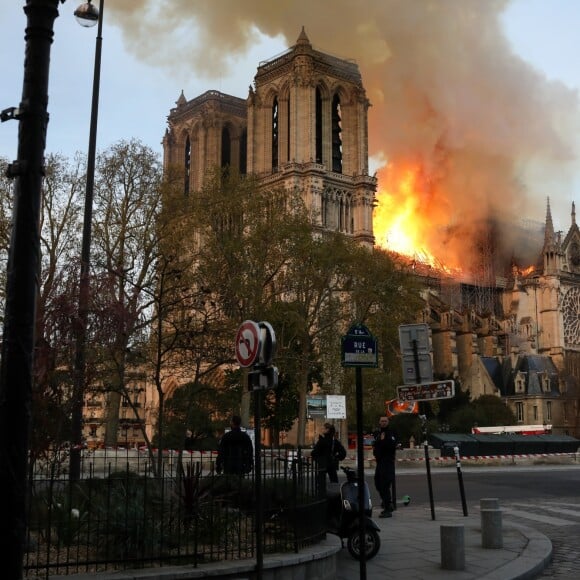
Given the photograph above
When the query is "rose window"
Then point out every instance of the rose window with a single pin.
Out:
(571, 314)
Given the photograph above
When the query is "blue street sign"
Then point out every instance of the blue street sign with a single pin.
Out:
(359, 348)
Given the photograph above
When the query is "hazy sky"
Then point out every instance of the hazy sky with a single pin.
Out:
(136, 95)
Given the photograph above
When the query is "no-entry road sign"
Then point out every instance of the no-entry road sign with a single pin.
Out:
(248, 343)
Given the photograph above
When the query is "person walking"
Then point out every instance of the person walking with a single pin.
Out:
(384, 451)
(235, 451)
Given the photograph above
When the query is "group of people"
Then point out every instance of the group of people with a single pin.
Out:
(236, 457)
(329, 451)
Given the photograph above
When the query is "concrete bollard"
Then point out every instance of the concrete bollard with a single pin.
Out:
(491, 529)
(489, 503)
(452, 547)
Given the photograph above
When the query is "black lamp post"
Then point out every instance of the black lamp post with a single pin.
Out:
(22, 282)
(87, 15)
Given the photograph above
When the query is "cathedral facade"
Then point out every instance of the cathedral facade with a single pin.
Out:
(302, 127)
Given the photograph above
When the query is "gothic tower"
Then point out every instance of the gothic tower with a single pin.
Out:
(308, 129)
(303, 127)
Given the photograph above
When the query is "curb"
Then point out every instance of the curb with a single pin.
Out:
(531, 562)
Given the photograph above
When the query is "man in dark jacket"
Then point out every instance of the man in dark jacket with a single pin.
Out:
(235, 451)
(384, 450)
(326, 453)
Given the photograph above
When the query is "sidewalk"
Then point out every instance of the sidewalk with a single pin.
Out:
(411, 549)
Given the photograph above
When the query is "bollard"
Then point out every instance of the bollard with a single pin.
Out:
(489, 503)
(491, 531)
(452, 547)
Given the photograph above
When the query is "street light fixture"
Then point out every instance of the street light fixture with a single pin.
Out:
(87, 15)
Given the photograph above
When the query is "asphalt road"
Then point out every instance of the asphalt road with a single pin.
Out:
(544, 497)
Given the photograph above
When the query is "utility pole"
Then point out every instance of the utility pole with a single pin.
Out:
(23, 282)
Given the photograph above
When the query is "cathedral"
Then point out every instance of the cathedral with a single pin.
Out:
(304, 127)
(525, 349)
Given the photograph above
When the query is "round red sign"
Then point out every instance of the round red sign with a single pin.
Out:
(248, 343)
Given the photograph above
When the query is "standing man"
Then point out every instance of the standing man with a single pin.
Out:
(384, 450)
(235, 451)
(322, 455)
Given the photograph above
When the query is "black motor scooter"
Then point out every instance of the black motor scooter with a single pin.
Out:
(343, 516)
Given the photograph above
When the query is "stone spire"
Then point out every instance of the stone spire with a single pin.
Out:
(552, 246)
(549, 230)
(573, 214)
(303, 39)
(182, 100)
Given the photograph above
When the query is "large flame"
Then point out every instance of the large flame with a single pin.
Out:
(404, 220)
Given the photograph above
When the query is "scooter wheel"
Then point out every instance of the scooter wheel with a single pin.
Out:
(372, 544)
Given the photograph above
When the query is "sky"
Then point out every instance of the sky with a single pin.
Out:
(141, 79)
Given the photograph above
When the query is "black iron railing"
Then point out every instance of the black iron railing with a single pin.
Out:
(124, 514)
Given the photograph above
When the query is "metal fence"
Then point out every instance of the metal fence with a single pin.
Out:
(125, 514)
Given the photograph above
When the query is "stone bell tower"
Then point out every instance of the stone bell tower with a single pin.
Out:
(308, 130)
(303, 127)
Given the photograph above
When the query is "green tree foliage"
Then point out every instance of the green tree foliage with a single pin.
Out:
(384, 295)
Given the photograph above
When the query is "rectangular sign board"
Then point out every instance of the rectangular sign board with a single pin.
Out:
(335, 407)
(414, 338)
(410, 370)
(427, 391)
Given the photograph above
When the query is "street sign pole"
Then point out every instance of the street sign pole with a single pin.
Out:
(256, 347)
(258, 482)
(360, 458)
(428, 466)
(359, 349)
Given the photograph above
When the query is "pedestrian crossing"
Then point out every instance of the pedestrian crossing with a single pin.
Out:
(558, 514)
(551, 513)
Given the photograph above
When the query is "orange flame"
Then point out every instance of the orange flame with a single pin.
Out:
(402, 216)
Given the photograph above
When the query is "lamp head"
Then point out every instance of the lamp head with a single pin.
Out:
(87, 14)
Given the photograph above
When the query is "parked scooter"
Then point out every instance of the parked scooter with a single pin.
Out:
(343, 516)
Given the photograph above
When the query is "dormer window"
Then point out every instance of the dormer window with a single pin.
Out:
(520, 384)
(546, 383)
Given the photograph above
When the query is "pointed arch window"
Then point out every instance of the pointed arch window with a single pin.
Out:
(244, 152)
(187, 165)
(275, 132)
(336, 135)
(318, 126)
(226, 148)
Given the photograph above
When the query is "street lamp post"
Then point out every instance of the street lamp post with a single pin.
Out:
(22, 282)
(87, 15)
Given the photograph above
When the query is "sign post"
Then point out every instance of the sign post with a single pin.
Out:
(255, 347)
(359, 349)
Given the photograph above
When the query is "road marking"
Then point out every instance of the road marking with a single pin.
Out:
(538, 518)
(557, 510)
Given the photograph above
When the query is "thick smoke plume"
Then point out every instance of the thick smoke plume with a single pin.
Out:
(448, 93)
